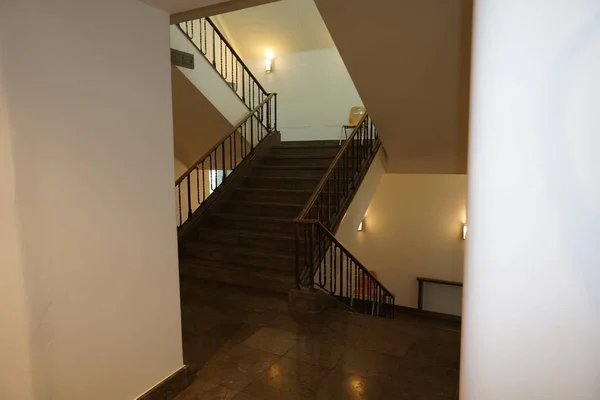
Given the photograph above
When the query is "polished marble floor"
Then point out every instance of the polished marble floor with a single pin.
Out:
(245, 345)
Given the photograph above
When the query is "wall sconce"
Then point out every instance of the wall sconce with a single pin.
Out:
(360, 226)
(269, 61)
(464, 232)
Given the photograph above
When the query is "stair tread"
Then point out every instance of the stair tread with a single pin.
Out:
(293, 167)
(237, 249)
(247, 233)
(275, 190)
(252, 217)
(279, 274)
(287, 178)
(300, 156)
(263, 203)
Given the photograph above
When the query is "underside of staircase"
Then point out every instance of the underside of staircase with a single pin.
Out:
(248, 237)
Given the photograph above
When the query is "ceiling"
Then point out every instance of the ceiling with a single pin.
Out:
(286, 26)
(186, 10)
(410, 62)
(177, 6)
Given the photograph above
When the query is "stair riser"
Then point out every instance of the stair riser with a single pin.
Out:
(258, 182)
(257, 260)
(277, 243)
(292, 173)
(315, 162)
(262, 211)
(272, 196)
(226, 276)
(306, 151)
(286, 228)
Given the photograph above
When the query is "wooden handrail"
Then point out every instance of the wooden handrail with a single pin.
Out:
(220, 142)
(323, 181)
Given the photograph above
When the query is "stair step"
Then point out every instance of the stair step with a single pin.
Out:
(277, 259)
(311, 143)
(294, 159)
(265, 209)
(247, 238)
(257, 224)
(236, 275)
(276, 195)
(307, 151)
(278, 182)
(306, 171)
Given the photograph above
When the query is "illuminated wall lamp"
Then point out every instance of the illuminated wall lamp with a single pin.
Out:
(269, 61)
(464, 231)
(360, 226)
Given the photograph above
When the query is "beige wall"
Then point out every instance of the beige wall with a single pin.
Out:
(412, 227)
(15, 367)
(197, 124)
(92, 260)
(410, 61)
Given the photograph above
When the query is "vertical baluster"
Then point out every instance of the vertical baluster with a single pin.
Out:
(220, 56)
(223, 161)
(275, 106)
(179, 201)
(348, 275)
(268, 104)
(198, 184)
(226, 68)
(203, 181)
(331, 269)
(205, 37)
(335, 264)
(235, 76)
(251, 134)
(189, 197)
(210, 169)
(214, 48)
(234, 148)
(244, 85)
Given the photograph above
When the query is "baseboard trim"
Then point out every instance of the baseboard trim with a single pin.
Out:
(425, 313)
(171, 386)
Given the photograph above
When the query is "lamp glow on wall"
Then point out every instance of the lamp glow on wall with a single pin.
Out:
(269, 61)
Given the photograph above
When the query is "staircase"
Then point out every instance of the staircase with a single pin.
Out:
(249, 239)
(254, 212)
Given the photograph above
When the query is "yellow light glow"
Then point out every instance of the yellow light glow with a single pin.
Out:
(360, 226)
(269, 54)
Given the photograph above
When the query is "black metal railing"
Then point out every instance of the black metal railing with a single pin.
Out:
(220, 54)
(214, 167)
(336, 271)
(315, 245)
(337, 187)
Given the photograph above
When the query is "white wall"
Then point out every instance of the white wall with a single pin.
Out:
(208, 81)
(532, 328)
(412, 227)
(88, 92)
(15, 368)
(315, 93)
